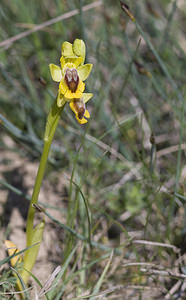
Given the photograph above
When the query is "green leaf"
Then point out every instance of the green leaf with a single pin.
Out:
(31, 254)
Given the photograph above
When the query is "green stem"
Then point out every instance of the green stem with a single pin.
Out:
(39, 179)
(52, 122)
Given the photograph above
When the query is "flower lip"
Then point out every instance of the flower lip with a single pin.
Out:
(72, 79)
(80, 108)
(81, 112)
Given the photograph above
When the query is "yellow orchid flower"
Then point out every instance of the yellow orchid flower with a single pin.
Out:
(79, 108)
(72, 72)
(71, 76)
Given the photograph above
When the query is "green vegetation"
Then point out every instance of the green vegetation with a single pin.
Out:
(119, 180)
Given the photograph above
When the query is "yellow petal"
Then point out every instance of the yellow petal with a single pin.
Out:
(66, 49)
(79, 49)
(84, 71)
(55, 72)
(62, 61)
(87, 114)
(76, 61)
(87, 97)
(12, 249)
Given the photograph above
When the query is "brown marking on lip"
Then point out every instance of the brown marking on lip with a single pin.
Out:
(80, 108)
(81, 113)
(72, 79)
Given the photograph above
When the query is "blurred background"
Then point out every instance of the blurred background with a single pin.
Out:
(127, 164)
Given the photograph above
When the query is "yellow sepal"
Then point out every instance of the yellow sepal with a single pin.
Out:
(79, 49)
(87, 97)
(84, 71)
(55, 72)
(66, 49)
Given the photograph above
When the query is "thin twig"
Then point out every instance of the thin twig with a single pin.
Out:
(126, 177)
(163, 273)
(170, 149)
(175, 287)
(47, 286)
(144, 242)
(65, 16)
(14, 292)
(139, 264)
(115, 288)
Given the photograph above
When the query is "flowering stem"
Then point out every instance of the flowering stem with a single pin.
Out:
(51, 125)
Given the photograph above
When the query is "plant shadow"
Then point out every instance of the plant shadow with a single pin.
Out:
(15, 178)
